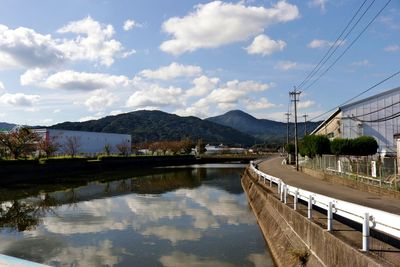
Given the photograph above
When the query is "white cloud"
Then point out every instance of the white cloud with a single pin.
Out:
(88, 118)
(262, 103)
(174, 70)
(1, 86)
(128, 53)
(23, 47)
(317, 43)
(72, 80)
(181, 259)
(172, 234)
(286, 65)
(392, 48)
(263, 45)
(129, 24)
(33, 76)
(360, 63)
(318, 3)
(47, 121)
(226, 96)
(19, 99)
(93, 42)
(202, 86)
(57, 110)
(105, 253)
(154, 96)
(116, 112)
(305, 104)
(99, 100)
(218, 23)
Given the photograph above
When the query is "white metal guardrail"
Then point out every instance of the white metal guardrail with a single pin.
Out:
(382, 221)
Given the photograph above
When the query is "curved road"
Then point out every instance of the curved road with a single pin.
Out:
(290, 176)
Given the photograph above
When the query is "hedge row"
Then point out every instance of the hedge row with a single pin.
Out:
(313, 145)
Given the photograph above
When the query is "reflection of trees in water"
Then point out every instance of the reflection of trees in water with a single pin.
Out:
(161, 183)
(18, 216)
(21, 216)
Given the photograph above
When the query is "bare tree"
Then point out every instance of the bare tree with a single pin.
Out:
(48, 146)
(107, 149)
(124, 148)
(72, 145)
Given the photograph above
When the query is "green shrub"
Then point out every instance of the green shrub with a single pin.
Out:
(313, 145)
(289, 148)
(361, 146)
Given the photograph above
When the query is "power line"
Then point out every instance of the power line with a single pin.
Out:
(390, 117)
(335, 44)
(363, 92)
(352, 43)
(371, 112)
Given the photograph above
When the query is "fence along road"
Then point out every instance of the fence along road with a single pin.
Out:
(382, 221)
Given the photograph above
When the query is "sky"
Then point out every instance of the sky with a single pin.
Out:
(78, 60)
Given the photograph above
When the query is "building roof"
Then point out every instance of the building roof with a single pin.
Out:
(397, 89)
(337, 111)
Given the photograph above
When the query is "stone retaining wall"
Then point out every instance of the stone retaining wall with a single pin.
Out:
(287, 231)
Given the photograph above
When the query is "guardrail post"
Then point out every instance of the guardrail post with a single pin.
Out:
(295, 200)
(365, 233)
(285, 189)
(279, 187)
(330, 217)
(309, 209)
(270, 182)
(281, 192)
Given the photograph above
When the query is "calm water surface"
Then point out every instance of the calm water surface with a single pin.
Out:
(192, 216)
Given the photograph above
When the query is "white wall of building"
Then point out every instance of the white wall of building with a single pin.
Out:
(370, 117)
(89, 142)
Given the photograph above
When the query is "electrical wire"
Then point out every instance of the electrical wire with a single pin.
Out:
(363, 92)
(335, 44)
(372, 112)
(351, 44)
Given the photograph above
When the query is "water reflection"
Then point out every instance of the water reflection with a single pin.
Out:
(182, 217)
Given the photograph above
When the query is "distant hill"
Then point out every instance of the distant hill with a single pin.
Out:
(6, 126)
(264, 129)
(155, 125)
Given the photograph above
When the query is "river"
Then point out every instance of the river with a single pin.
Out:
(184, 216)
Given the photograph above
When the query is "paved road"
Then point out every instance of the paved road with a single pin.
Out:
(298, 179)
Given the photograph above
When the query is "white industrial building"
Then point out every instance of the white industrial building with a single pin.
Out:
(377, 116)
(88, 143)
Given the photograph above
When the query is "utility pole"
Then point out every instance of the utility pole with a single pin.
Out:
(305, 124)
(287, 127)
(294, 96)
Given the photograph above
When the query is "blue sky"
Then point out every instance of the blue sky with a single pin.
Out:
(78, 60)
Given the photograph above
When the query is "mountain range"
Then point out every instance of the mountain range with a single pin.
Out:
(232, 128)
(263, 129)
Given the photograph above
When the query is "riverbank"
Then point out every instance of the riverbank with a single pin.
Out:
(286, 228)
(295, 240)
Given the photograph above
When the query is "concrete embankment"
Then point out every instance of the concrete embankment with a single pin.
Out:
(293, 239)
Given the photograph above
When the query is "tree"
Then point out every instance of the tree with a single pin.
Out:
(107, 149)
(123, 148)
(313, 145)
(48, 146)
(187, 145)
(20, 142)
(364, 146)
(200, 147)
(361, 146)
(72, 145)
